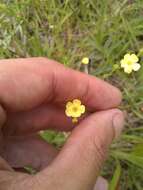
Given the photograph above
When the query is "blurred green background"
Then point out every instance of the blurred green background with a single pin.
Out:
(104, 30)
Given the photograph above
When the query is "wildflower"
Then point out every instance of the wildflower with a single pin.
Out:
(51, 26)
(130, 63)
(85, 61)
(74, 109)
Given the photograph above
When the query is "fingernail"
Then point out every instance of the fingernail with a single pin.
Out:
(101, 184)
(118, 123)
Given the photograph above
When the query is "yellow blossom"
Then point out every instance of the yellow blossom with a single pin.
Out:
(130, 63)
(85, 61)
(74, 109)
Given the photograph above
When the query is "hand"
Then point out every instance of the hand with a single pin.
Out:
(33, 94)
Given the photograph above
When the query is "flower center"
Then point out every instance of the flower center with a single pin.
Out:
(75, 109)
(129, 62)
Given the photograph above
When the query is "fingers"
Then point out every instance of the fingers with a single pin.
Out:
(79, 163)
(101, 184)
(10, 180)
(2, 118)
(27, 83)
(4, 166)
(27, 151)
(44, 117)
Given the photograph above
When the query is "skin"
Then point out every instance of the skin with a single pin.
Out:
(33, 94)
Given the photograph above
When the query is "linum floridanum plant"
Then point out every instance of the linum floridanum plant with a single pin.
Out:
(75, 109)
(104, 31)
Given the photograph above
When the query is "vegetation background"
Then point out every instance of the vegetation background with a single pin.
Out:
(104, 30)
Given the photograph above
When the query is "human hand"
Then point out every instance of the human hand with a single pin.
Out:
(33, 94)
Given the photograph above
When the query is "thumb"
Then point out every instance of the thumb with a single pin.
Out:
(79, 163)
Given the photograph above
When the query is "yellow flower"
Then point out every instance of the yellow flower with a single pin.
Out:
(130, 63)
(85, 61)
(74, 109)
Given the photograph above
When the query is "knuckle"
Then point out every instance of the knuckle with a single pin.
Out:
(42, 59)
(100, 147)
(96, 151)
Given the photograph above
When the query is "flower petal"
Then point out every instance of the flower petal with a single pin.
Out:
(127, 57)
(69, 104)
(77, 102)
(123, 63)
(134, 58)
(128, 70)
(68, 113)
(82, 108)
(76, 114)
(136, 66)
(85, 60)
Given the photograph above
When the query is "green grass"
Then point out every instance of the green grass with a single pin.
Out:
(104, 30)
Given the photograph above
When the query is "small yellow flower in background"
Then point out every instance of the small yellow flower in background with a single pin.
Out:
(85, 61)
(74, 109)
(130, 63)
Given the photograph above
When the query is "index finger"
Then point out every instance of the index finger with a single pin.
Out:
(27, 83)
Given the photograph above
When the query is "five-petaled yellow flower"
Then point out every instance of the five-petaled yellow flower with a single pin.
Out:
(130, 63)
(74, 109)
(85, 61)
